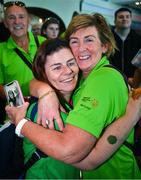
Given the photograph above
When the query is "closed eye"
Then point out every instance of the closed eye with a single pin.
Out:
(73, 41)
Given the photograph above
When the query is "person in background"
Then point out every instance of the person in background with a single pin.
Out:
(127, 40)
(50, 28)
(97, 103)
(4, 35)
(4, 32)
(36, 28)
(12, 98)
(12, 66)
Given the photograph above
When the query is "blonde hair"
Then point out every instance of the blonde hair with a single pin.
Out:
(104, 31)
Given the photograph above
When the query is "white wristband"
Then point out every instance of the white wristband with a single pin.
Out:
(19, 127)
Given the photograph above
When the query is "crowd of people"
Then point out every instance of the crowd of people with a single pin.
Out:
(84, 110)
(49, 29)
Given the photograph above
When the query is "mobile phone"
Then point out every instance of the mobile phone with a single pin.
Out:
(136, 61)
(14, 94)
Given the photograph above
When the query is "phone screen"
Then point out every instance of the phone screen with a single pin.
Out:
(13, 94)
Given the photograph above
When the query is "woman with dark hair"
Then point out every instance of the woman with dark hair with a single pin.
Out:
(11, 98)
(50, 28)
(54, 64)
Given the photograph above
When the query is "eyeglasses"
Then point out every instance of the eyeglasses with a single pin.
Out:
(12, 3)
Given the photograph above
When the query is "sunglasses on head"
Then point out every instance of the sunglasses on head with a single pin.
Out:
(52, 19)
(12, 3)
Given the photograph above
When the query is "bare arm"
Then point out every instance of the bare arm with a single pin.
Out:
(114, 136)
(37, 88)
(49, 106)
(67, 146)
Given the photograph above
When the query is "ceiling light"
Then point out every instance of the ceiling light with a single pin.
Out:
(137, 3)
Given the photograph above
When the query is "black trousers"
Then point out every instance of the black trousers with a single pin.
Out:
(2, 111)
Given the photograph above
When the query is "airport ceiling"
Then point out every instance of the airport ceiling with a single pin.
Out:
(131, 3)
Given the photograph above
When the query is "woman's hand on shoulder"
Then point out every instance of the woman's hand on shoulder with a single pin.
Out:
(48, 105)
(49, 110)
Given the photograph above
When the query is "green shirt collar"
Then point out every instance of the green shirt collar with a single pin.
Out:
(101, 63)
(104, 61)
(11, 43)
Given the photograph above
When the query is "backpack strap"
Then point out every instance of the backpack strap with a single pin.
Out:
(33, 112)
(37, 154)
(23, 58)
(37, 41)
(20, 54)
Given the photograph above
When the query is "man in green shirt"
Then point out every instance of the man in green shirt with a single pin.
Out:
(12, 66)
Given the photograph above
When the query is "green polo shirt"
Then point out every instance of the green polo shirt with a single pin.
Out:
(12, 66)
(99, 100)
(47, 168)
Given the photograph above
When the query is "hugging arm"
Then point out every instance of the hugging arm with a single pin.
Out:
(60, 145)
(114, 135)
(93, 153)
(46, 111)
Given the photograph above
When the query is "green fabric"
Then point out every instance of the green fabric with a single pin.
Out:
(101, 98)
(11, 65)
(48, 168)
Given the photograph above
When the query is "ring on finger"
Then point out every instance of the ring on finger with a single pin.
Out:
(47, 122)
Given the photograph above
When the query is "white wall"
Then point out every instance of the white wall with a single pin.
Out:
(63, 8)
(106, 8)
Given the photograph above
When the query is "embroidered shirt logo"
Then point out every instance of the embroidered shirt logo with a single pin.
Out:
(89, 102)
(95, 103)
(85, 99)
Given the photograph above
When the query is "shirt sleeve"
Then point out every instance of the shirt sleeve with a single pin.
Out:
(101, 102)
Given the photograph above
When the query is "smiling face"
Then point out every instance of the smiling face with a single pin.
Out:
(87, 48)
(16, 20)
(62, 71)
